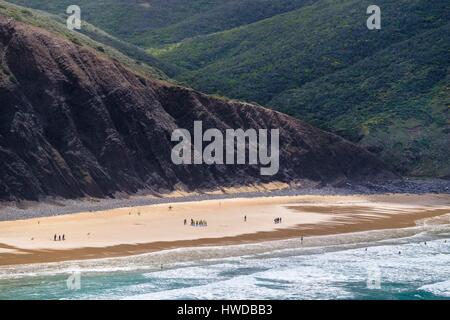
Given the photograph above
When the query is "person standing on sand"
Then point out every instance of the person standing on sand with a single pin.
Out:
(59, 238)
(54, 238)
(64, 237)
(185, 221)
(245, 218)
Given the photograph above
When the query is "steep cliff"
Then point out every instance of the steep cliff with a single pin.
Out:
(74, 122)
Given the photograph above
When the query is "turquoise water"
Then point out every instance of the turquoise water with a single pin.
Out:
(332, 267)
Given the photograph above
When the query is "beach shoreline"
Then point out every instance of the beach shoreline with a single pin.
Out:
(52, 206)
(137, 230)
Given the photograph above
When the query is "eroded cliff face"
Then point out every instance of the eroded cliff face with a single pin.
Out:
(74, 122)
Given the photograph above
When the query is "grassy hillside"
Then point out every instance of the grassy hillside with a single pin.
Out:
(259, 61)
(159, 22)
(395, 102)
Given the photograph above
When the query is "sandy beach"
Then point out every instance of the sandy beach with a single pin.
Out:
(136, 230)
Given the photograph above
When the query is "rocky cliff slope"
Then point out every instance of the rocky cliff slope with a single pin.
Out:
(74, 123)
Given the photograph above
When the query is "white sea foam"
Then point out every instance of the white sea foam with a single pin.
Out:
(328, 275)
(439, 289)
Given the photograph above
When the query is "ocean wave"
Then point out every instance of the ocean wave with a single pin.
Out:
(341, 274)
(439, 289)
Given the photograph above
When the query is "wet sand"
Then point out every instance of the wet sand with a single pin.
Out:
(137, 230)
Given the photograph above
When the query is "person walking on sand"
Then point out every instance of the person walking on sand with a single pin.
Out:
(59, 238)
(185, 221)
(64, 237)
(54, 238)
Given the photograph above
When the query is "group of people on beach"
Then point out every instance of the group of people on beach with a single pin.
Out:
(197, 223)
(204, 223)
(277, 220)
(59, 238)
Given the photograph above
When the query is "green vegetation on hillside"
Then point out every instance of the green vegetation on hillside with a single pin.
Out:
(160, 22)
(387, 90)
(259, 61)
(395, 102)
